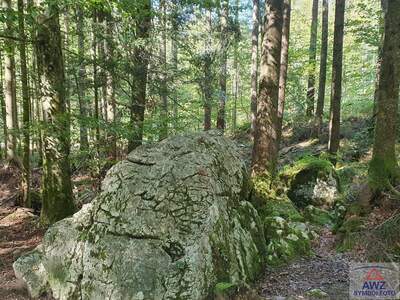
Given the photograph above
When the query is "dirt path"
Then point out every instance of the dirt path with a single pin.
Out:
(326, 271)
(19, 234)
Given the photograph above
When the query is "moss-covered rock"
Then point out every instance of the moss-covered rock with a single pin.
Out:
(286, 235)
(315, 294)
(318, 216)
(286, 240)
(311, 181)
(171, 222)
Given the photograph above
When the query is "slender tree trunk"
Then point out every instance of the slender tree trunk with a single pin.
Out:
(254, 63)
(207, 77)
(383, 168)
(174, 53)
(224, 15)
(265, 150)
(337, 65)
(312, 58)
(83, 110)
(26, 107)
(56, 180)
(139, 84)
(95, 83)
(9, 86)
(163, 77)
(3, 107)
(322, 70)
(284, 65)
(111, 105)
(102, 65)
(235, 66)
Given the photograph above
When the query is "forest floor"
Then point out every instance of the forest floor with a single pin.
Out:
(19, 233)
(325, 272)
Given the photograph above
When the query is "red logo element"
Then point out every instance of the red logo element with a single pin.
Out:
(374, 275)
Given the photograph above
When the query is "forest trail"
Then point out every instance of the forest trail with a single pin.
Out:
(325, 273)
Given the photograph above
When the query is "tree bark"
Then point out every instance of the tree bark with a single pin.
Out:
(265, 150)
(57, 195)
(383, 168)
(111, 101)
(3, 107)
(322, 70)
(26, 107)
(254, 64)
(224, 15)
(95, 81)
(312, 57)
(83, 109)
(235, 66)
(9, 86)
(284, 65)
(140, 70)
(337, 66)
(174, 59)
(163, 77)
(207, 77)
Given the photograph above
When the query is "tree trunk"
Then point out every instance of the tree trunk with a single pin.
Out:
(322, 70)
(265, 150)
(95, 82)
(35, 101)
(163, 77)
(207, 77)
(83, 109)
(379, 61)
(235, 66)
(3, 106)
(9, 86)
(140, 69)
(312, 57)
(174, 53)
(26, 107)
(224, 15)
(284, 65)
(336, 93)
(111, 101)
(254, 64)
(56, 179)
(383, 168)
(103, 112)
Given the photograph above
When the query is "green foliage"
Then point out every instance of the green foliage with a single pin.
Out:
(224, 287)
(318, 216)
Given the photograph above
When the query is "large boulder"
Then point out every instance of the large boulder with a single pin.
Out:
(311, 181)
(172, 221)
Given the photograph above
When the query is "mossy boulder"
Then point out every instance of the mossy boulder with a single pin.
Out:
(286, 233)
(311, 181)
(171, 222)
(286, 240)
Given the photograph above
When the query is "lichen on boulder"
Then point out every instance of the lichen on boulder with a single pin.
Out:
(171, 222)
